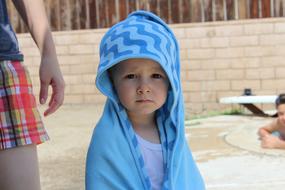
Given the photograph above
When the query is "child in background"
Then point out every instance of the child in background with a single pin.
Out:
(139, 142)
(272, 135)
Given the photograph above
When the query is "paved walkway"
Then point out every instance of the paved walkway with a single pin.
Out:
(229, 156)
(226, 149)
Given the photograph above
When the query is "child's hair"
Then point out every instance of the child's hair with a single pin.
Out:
(280, 100)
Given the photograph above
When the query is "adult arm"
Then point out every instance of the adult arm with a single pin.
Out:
(34, 15)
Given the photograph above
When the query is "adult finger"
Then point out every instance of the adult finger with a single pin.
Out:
(56, 100)
(43, 92)
(54, 104)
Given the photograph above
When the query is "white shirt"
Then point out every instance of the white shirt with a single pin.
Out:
(153, 159)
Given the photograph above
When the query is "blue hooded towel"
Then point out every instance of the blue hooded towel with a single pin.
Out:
(114, 160)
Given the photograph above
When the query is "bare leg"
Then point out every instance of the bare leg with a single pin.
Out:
(19, 169)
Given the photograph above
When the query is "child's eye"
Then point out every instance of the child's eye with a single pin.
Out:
(130, 76)
(157, 76)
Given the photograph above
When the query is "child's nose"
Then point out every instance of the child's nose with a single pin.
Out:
(143, 87)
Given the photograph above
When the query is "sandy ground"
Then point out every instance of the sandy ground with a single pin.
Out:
(226, 149)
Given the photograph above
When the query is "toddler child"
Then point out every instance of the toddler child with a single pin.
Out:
(139, 142)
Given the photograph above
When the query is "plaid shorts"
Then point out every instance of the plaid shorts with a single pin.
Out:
(20, 120)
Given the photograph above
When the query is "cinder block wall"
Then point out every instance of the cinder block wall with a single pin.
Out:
(218, 59)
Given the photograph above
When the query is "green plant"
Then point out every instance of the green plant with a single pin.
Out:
(235, 111)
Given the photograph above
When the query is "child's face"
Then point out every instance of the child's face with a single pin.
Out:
(281, 113)
(141, 85)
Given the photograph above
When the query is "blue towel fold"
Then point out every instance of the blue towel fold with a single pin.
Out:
(114, 160)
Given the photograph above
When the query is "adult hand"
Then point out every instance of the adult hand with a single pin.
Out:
(50, 75)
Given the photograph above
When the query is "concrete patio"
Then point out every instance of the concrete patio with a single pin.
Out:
(226, 149)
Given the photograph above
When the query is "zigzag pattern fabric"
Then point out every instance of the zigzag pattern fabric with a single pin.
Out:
(121, 166)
